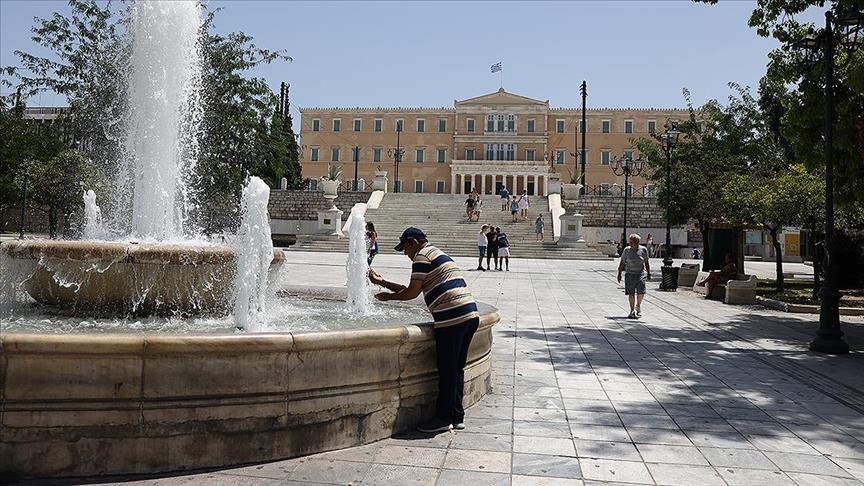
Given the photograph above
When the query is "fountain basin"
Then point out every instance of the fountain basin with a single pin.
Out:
(122, 277)
(90, 405)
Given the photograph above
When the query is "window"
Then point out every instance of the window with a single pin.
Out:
(490, 151)
(379, 125)
(628, 126)
(500, 123)
(400, 125)
(418, 186)
(531, 126)
(421, 125)
(313, 184)
(397, 186)
(629, 190)
(439, 187)
(358, 123)
(469, 154)
(470, 126)
(490, 123)
(511, 151)
(334, 154)
(530, 154)
(559, 156)
(442, 155)
(604, 190)
(652, 126)
(316, 125)
(606, 124)
(337, 125)
(583, 125)
(511, 123)
(442, 125)
(418, 154)
(559, 126)
(499, 151)
(650, 190)
(604, 157)
(313, 156)
(376, 155)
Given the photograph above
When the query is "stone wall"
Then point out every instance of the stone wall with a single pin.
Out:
(609, 211)
(304, 205)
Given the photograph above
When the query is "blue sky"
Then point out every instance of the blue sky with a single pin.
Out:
(389, 53)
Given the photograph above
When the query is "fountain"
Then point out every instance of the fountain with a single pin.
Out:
(172, 384)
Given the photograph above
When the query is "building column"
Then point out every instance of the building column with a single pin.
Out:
(536, 186)
(483, 183)
(545, 185)
(452, 183)
(524, 182)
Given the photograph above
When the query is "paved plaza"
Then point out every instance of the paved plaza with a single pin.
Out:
(694, 392)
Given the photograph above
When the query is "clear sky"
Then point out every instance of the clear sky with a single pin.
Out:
(390, 54)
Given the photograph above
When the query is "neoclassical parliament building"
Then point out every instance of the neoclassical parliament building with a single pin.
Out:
(483, 142)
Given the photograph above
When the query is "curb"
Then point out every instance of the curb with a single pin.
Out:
(803, 308)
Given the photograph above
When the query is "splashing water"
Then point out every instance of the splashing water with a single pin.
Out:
(164, 92)
(93, 229)
(254, 249)
(357, 267)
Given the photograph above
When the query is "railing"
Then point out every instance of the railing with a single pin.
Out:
(618, 191)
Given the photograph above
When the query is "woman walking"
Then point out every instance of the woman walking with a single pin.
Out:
(523, 204)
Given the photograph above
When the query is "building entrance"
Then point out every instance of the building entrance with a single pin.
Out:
(530, 188)
(468, 187)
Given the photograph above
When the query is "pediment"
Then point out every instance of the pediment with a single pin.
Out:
(500, 98)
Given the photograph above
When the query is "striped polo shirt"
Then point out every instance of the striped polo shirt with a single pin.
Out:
(444, 289)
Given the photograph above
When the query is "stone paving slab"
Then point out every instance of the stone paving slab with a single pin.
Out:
(694, 392)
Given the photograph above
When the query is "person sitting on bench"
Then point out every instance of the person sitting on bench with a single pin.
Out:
(727, 273)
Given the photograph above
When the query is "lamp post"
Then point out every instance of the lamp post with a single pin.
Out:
(356, 165)
(668, 141)
(396, 154)
(626, 166)
(584, 91)
(829, 337)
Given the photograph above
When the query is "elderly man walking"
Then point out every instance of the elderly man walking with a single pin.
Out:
(636, 267)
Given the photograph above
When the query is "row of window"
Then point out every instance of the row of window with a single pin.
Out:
(494, 123)
(494, 151)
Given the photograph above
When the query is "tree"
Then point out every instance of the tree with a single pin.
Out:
(56, 186)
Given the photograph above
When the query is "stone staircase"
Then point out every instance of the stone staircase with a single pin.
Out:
(442, 218)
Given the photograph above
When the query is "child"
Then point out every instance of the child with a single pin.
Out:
(514, 208)
(503, 251)
(539, 225)
(371, 242)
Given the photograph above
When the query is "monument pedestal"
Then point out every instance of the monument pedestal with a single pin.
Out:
(330, 220)
(571, 231)
(379, 183)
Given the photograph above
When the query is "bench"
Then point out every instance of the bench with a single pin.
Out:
(687, 275)
(742, 290)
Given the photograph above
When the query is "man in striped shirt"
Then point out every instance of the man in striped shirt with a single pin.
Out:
(454, 311)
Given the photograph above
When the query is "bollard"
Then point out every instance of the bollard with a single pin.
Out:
(669, 280)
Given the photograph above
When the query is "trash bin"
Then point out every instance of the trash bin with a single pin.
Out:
(669, 281)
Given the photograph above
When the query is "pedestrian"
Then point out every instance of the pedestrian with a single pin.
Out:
(649, 243)
(454, 311)
(478, 204)
(505, 198)
(371, 241)
(469, 205)
(539, 226)
(514, 208)
(481, 245)
(503, 250)
(523, 204)
(636, 266)
(491, 247)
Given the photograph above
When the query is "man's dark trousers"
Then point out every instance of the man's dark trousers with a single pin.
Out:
(451, 344)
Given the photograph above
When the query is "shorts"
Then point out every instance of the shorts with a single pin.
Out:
(482, 251)
(492, 251)
(504, 252)
(634, 283)
(539, 231)
(514, 211)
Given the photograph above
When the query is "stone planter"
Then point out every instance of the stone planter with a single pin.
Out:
(554, 183)
(330, 187)
(570, 192)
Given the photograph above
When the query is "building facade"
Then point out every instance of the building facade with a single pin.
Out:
(484, 142)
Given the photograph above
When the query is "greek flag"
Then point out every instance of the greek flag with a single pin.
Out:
(496, 67)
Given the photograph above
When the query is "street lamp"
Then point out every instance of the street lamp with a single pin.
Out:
(396, 154)
(668, 141)
(626, 166)
(829, 337)
(356, 151)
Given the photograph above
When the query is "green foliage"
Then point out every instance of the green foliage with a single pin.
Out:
(56, 185)
(334, 172)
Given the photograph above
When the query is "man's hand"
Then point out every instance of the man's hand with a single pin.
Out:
(375, 278)
(619, 277)
(383, 296)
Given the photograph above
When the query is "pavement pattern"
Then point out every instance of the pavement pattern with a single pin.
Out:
(694, 392)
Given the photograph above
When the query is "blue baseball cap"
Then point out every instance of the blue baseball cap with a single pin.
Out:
(411, 233)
